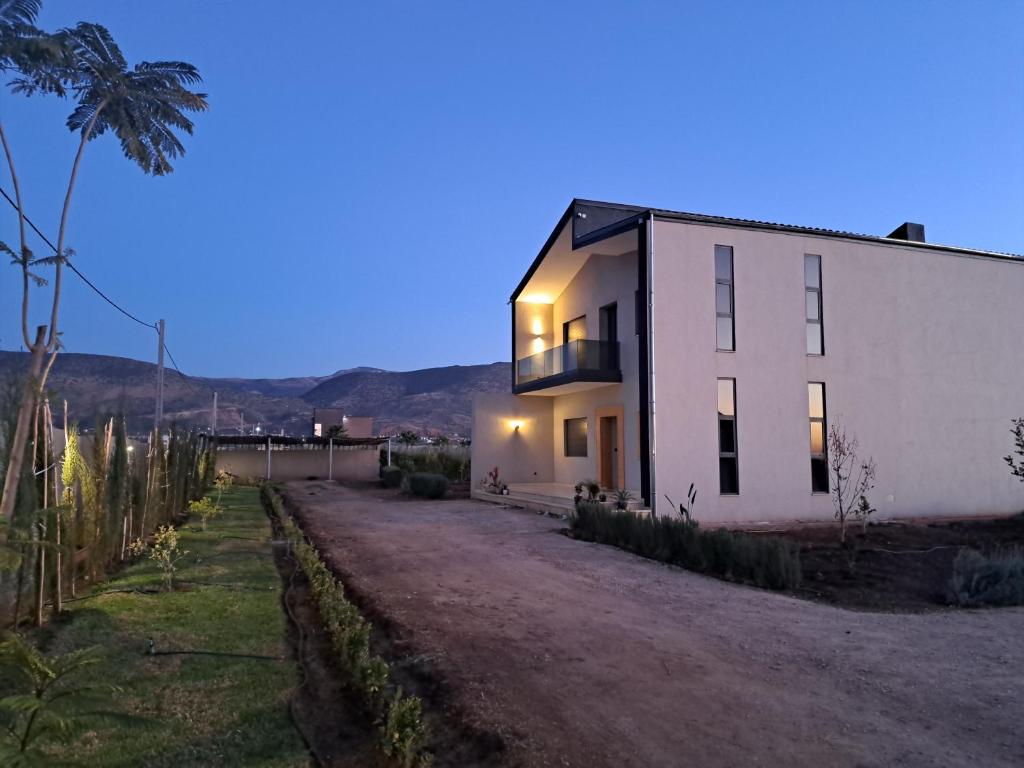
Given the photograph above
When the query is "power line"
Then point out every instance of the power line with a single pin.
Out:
(100, 293)
(74, 269)
(188, 379)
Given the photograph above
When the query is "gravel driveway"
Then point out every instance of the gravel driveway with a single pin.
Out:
(583, 655)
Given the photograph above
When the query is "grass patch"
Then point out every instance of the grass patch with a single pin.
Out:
(765, 561)
(192, 710)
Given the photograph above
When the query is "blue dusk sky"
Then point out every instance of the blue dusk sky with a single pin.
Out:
(373, 179)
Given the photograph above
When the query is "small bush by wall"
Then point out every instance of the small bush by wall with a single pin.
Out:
(427, 485)
(391, 477)
(452, 461)
(994, 579)
(765, 561)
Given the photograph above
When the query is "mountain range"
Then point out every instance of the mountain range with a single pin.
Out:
(429, 401)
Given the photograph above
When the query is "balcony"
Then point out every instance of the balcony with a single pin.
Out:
(579, 362)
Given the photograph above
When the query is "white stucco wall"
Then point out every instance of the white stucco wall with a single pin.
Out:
(522, 456)
(924, 362)
(603, 279)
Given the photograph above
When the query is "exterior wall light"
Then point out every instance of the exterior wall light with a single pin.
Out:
(516, 425)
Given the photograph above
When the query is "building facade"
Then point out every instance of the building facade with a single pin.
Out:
(654, 349)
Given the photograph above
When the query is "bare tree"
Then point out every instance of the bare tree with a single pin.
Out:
(851, 478)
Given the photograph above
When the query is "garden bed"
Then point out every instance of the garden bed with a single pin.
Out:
(893, 566)
(216, 690)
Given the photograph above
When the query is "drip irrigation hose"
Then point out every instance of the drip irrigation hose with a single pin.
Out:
(154, 652)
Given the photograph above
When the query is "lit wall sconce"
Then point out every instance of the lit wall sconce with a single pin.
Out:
(538, 327)
(516, 425)
(537, 346)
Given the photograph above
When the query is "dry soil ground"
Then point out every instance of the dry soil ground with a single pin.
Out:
(582, 655)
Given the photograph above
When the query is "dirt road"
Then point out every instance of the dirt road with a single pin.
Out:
(582, 655)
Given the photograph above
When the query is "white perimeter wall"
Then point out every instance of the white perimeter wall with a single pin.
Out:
(924, 362)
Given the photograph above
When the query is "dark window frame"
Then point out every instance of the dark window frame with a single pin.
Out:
(567, 323)
(730, 283)
(565, 437)
(823, 420)
(732, 455)
(817, 291)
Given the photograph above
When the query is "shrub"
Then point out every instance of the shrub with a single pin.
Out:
(166, 553)
(993, 579)
(391, 477)
(205, 508)
(427, 485)
(403, 733)
(765, 561)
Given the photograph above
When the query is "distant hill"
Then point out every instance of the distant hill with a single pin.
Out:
(429, 401)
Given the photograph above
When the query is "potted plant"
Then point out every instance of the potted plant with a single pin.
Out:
(602, 497)
(492, 483)
(593, 488)
(504, 489)
(622, 499)
(578, 488)
(577, 499)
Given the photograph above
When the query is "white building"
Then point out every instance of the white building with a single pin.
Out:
(653, 349)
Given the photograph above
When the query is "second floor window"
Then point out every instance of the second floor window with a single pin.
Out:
(725, 327)
(574, 330)
(812, 301)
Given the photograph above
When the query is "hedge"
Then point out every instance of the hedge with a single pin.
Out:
(765, 561)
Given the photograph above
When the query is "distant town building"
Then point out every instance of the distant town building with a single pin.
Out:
(326, 420)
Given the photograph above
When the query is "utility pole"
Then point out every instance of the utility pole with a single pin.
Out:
(213, 420)
(159, 417)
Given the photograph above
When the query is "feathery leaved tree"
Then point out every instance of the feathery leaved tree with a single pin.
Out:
(142, 106)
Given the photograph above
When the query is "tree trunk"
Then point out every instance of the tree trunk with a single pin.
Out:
(26, 408)
(41, 574)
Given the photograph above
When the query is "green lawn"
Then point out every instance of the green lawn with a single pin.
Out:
(194, 710)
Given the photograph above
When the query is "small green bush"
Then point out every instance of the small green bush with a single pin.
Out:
(765, 561)
(993, 579)
(391, 477)
(404, 735)
(427, 485)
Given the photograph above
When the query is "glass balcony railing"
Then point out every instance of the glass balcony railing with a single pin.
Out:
(580, 357)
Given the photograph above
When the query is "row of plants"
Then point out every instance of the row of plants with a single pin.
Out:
(764, 561)
(451, 461)
(82, 504)
(403, 733)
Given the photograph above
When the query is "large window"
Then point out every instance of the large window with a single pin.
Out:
(819, 437)
(812, 302)
(575, 437)
(725, 327)
(728, 469)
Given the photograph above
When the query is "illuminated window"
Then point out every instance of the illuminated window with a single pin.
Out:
(812, 305)
(819, 437)
(575, 437)
(725, 326)
(728, 469)
(574, 330)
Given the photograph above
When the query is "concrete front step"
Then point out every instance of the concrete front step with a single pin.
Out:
(543, 502)
(550, 505)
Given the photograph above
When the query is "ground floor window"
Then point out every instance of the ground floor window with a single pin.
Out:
(728, 467)
(575, 437)
(819, 437)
